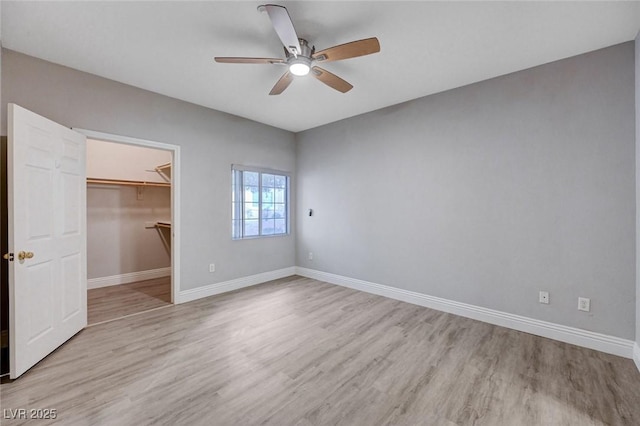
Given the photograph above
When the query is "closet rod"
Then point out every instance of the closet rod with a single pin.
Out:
(127, 182)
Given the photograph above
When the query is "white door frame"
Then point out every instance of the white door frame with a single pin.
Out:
(175, 195)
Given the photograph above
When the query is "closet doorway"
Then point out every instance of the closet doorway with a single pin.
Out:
(132, 236)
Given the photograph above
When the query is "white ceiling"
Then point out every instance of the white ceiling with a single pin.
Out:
(426, 47)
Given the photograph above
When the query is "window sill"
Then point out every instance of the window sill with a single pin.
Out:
(260, 237)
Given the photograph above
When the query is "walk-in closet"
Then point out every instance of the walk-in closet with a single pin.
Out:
(128, 230)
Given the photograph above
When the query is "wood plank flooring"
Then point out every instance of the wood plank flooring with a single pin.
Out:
(108, 303)
(301, 352)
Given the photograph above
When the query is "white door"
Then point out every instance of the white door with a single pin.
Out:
(47, 236)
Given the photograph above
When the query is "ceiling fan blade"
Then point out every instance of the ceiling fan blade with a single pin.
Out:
(239, 60)
(281, 22)
(331, 80)
(348, 50)
(282, 84)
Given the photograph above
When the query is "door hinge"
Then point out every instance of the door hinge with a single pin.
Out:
(8, 256)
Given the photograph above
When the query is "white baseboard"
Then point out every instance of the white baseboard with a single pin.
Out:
(225, 286)
(636, 354)
(589, 339)
(128, 278)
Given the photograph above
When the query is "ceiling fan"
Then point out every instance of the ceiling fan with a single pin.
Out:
(301, 58)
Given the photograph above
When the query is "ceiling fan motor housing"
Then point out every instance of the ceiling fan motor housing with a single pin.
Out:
(300, 64)
(306, 50)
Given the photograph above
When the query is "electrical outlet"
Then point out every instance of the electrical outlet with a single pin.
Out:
(584, 304)
(212, 267)
(310, 256)
(544, 297)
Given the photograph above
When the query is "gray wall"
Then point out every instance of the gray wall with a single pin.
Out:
(488, 193)
(210, 142)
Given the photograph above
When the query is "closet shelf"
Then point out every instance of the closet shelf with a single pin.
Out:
(127, 182)
(163, 167)
(160, 224)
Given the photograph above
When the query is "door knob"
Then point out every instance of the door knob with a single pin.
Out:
(22, 255)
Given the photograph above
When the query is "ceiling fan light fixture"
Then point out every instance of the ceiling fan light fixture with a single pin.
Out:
(299, 69)
(300, 66)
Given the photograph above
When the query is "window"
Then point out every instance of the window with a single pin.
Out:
(260, 202)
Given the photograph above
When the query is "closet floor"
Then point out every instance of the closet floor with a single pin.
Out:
(109, 303)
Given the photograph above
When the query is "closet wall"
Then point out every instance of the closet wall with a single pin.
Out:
(122, 239)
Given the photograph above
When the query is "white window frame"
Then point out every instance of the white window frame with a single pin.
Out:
(238, 205)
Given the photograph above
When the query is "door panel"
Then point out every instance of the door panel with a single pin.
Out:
(71, 300)
(47, 217)
(39, 279)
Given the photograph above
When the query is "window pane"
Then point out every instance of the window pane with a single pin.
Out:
(251, 210)
(268, 226)
(280, 195)
(280, 181)
(267, 195)
(251, 227)
(280, 226)
(250, 178)
(267, 180)
(251, 195)
(267, 211)
(280, 211)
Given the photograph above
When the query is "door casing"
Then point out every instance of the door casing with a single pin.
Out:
(175, 194)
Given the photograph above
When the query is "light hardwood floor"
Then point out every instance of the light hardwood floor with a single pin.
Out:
(108, 303)
(301, 352)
